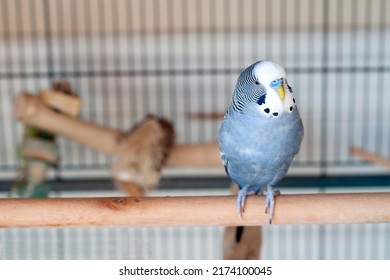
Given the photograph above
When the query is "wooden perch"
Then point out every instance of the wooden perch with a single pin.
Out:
(371, 157)
(67, 104)
(196, 155)
(30, 110)
(194, 211)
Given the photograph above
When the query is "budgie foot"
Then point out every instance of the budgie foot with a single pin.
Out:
(242, 194)
(270, 201)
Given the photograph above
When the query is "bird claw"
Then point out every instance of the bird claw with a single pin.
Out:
(240, 202)
(241, 197)
(270, 202)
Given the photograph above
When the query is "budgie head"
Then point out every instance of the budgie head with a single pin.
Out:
(262, 90)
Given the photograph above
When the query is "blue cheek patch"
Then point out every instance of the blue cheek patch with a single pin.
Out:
(276, 83)
(261, 100)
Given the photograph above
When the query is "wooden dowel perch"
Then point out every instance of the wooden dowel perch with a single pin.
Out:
(194, 211)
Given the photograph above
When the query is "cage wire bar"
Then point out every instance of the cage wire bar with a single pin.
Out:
(180, 60)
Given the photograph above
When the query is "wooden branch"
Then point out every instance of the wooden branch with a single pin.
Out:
(205, 116)
(67, 104)
(247, 249)
(196, 155)
(30, 110)
(371, 157)
(194, 211)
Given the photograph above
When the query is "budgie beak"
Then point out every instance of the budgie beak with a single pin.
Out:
(280, 91)
(278, 86)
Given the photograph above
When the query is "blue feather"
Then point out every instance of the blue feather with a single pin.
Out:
(261, 100)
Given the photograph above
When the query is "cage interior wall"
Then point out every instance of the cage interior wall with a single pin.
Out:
(180, 59)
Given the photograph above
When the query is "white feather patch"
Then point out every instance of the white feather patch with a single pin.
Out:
(274, 105)
(288, 102)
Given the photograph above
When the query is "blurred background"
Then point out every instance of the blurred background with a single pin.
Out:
(180, 59)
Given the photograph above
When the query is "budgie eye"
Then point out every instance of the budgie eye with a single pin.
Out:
(257, 82)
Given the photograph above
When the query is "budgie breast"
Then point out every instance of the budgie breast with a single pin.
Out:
(258, 151)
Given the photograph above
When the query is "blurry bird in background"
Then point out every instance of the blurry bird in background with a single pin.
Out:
(260, 133)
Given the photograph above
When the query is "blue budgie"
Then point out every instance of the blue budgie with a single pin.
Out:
(260, 133)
